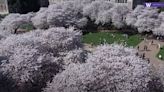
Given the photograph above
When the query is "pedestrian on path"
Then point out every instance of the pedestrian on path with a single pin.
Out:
(145, 39)
(145, 47)
(143, 55)
(159, 46)
(152, 42)
(138, 47)
(157, 38)
(148, 60)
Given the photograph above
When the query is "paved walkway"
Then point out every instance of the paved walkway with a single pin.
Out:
(152, 51)
(149, 54)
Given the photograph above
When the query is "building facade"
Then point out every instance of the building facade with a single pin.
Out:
(3, 7)
(54, 1)
(131, 4)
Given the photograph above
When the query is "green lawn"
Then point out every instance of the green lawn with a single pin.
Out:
(27, 26)
(101, 37)
(161, 52)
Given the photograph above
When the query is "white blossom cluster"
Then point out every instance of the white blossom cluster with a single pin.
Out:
(145, 19)
(64, 14)
(27, 52)
(160, 29)
(105, 12)
(13, 21)
(76, 12)
(110, 68)
(40, 19)
(79, 13)
(119, 14)
(160, 73)
(61, 14)
(52, 53)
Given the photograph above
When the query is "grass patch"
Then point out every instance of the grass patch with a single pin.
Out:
(161, 52)
(27, 26)
(108, 37)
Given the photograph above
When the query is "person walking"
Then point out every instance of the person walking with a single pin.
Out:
(157, 38)
(159, 46)
(152, 42)
(138, 47)
(143, 55)
(148, 60)
(145, 47)
(145, 39)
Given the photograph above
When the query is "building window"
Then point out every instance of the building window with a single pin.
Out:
(121, 1)
(125, 1)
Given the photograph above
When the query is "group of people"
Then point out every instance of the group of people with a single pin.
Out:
(143, 54)
(145, 48)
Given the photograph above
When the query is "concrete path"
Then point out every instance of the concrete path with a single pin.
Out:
(150, 54)
(152, 51)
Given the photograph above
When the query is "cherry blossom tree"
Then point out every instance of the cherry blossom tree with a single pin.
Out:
(27, 54)
(13, 21)
(161, 16)
(159, 30)
(40, 20)
(119, 13)
(104, 18)
(5, 25)
(160, 72)
(148, 20)
(97, 10)
(109, 68)
(131, 17)
(145, 19)
(66, 14)
(146, 24)
(105, 12)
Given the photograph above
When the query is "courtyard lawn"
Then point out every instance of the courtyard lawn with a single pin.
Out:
(108, 37)
(161, 52)
(27, 26)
